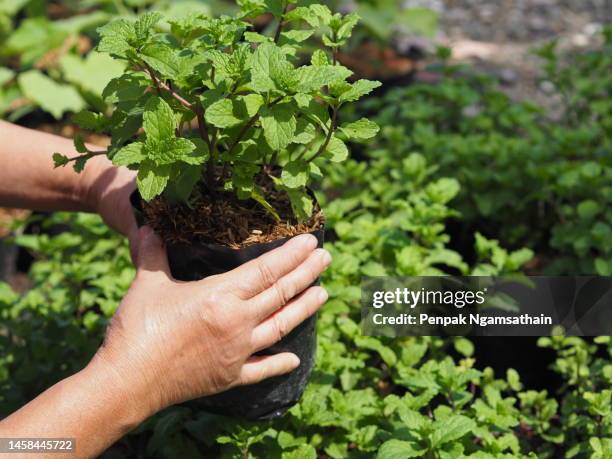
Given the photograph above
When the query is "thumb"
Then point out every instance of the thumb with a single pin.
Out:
(151, 255)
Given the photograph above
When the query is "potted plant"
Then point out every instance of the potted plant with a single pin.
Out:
(226, 128)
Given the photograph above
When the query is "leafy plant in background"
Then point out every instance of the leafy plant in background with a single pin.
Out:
(582, 180)
(46, 58)
(407, 397)
(40, 63)
(526, 178)
(255, 110)
(50, 43)
(383, 18)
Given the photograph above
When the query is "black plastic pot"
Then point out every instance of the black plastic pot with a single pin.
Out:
(270, 398)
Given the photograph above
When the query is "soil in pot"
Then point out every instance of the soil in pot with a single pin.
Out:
(218, 233)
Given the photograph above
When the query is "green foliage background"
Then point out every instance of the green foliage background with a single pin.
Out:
(459, 152)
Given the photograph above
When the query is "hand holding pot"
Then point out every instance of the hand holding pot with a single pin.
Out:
(172, 341)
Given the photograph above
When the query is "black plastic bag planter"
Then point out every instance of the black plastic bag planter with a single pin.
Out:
(270, 398)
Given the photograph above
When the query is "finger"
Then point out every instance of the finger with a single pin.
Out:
(279, 294)
(151, 256)
(259, 274)
(280, 324)
(260, 367)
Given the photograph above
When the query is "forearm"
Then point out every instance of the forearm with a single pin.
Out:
(28, 178)
(91, 407)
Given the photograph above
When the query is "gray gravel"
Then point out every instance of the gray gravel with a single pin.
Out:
(520, 20)
(500, 36)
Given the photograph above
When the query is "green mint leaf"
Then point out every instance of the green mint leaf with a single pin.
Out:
(304, 132)
(295, 174)
(315, 171)
(450, 429)
(60, 160)
(270, 69)
(304, 451)
(251, 8)
(327, 41)
(254, 37)
(79, 144)
(252, 103)
(360, 130)
(159, 121)
(52, 97)
(279, 125)
(319, 57)
(145, 25)
(232, 65)
(258, 197)
(312, 78)
(211, 96)
(170, 151)
(302, 100)
(224, 113)
(317, 112)
(315, 15)
(80, 162)
(301, 203)
(152, 179)
(294, 37)
(358, 89)
(336, 150)
(125, 126)
(130, 154)
(399, 449)
(117, 37)
(92, 121)
(126, 89)
(163, 59)
(348, 23)
(180, 188)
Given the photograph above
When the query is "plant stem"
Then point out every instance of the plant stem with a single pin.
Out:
(88, 155)
(248, 126)
(159, 85)
(154, 78)
(334, 50)
(330, 132)
(279, 28)
(205, 135)
(242, 132)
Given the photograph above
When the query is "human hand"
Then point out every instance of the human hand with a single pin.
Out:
(172, 341)
(107, 191)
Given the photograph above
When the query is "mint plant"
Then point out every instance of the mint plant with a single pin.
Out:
(208, 104)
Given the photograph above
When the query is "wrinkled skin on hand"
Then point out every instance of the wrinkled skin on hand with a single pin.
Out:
(178, 340)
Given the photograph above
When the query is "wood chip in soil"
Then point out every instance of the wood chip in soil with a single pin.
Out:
(226, 220)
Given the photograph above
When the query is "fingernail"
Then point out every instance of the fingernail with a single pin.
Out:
(323, 295)
(296, 361)
(326, 257)
(308, 241)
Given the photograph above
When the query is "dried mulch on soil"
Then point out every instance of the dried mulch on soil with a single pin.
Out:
(224, 219)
